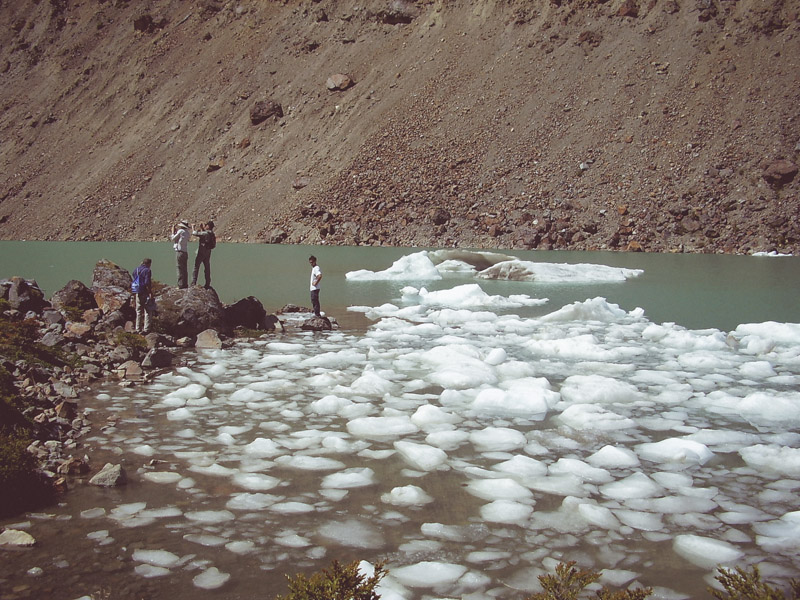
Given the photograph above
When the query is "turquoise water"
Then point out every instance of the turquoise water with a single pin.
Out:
(696, 291)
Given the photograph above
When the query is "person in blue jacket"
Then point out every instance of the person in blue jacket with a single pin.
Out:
(142, 288)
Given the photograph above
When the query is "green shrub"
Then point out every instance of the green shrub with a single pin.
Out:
(23, 486)
(743, 585)
(133, 341)
(568, 582)
(337, 583)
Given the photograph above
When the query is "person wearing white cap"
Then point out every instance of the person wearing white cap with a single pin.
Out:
(180, 241)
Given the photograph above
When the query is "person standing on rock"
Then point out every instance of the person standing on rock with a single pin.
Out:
(316, 277)
(142, 288)
(208, 241)
(180, 241)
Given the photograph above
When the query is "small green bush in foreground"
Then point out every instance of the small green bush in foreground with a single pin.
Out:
(567, 583)
(339, 582)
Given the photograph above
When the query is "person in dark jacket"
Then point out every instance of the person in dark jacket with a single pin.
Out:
(142, 288)
(208, 241)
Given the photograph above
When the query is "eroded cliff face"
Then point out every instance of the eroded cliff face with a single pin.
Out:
(658, 125)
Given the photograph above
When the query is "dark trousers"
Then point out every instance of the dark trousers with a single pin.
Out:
(203, 258)
(315, 302)
(183, 268)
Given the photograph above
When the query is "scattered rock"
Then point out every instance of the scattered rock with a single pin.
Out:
(208, 340)
(263, 110)
(339, 82)
(780, 172)
(110, 476)
(158, 358)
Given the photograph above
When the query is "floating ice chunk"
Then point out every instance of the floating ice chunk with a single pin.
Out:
(144, 450)
(428, 574)
(98, 536)
(262, 447)
(494, 439)
(597, 389)
(614, 457)
(150, 571)
(447, 440)
(93, 513)
(675, 450)
(757, 369)
(467, 296)
(329, 405)
(211, 579)
(429, 416)
(211, 517)
(520, 270)
(777, 459)
(506, 511)
(421, 456)
(522, 466)
(618, 578)
(408, 495)
(209, 541)
(353, 533)
(706, 552)
(590, 417)
(240, 547)
(595, 309)
(413, 267)
(637, 485)
(193, 390)
(309, 463)
(251, 502)
(349, 478)
(157, 558)
(496, 356)
(780, 535)
(529, 398)
(292, 508)
(292, 540)
(180, 414)
(573, 466)
(381, 427)
(782, 333)
(644, 521)
(256, 482)
(763, 408)
(598, 515)
(213, 469)
(498, 489)
(162, 476)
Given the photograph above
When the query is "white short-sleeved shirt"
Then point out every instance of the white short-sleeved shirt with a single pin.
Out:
(315, 271)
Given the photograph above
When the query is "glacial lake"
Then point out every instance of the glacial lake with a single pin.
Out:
(635, 413)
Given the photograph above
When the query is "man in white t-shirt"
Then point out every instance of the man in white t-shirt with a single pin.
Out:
(316, 277)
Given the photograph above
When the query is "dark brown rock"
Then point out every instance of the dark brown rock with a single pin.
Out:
(263, 110)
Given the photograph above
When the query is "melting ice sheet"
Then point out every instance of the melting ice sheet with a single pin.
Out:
(433, 265)
(475, 451)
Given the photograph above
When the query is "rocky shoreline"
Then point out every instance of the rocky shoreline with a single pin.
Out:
(90, 331)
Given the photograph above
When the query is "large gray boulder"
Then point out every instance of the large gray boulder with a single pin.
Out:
(185, 313)
(23, 294)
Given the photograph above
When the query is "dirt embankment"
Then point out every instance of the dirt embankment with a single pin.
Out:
(660, 125)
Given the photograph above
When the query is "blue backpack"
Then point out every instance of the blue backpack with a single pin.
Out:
(135, 282)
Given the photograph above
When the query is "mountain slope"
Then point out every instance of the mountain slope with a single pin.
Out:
(666, 126)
